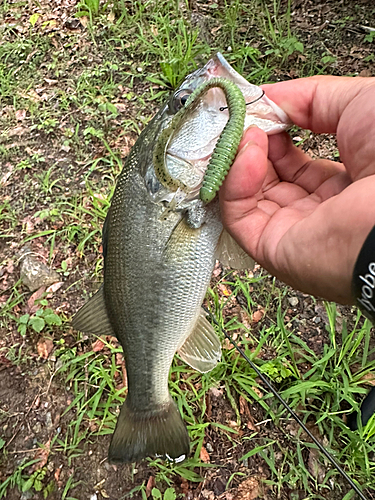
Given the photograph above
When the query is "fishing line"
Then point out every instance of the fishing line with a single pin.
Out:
(265, 380)
(247, 103)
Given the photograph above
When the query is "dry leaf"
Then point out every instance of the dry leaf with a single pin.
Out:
(98, 345)
(43, 454)
(316, 469)
(44, 348)
(84, 21)
(258, 315)
(244, 409)
(51, 82)
(17, 131)
(121, 107)
(245, 320)
(369, 378)
(248, 489)
(57, 474)
(258, 392)
(150, 484)
(20, 114)
(53, 288)
(31, 306)
(204, 455)
(224, 290)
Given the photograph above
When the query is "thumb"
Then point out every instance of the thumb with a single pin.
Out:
(246, 176)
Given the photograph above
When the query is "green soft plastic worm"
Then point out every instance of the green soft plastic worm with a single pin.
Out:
(226, 147)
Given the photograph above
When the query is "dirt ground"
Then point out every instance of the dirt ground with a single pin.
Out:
(34, 395)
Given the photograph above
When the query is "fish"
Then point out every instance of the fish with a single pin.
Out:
(160, 247)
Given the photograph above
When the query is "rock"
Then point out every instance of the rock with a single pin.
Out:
(49, 422)
(34, 273)
(209, 448)
(37, 428)
(26, 495)
(293, 301)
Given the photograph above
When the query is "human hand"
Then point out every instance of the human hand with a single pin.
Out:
(306, 220)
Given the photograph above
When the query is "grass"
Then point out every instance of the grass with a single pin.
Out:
(85, 96)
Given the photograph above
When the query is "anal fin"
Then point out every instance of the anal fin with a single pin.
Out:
(92, 317)
(202, 349)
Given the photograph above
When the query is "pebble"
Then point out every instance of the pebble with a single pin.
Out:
(293, 301)
(49, 422)
(37, 428)
(94, 497)
(209, 448)
(26, 495)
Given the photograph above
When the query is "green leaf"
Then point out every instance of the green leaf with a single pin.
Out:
(52, 319)
(2, 442)
(156, 493)
(28, 485)
(170, 494)
(22, 329)
(24, 319)
(112, 109)
(33, 19)
(349, 495)
(370, 37)
(37, 323)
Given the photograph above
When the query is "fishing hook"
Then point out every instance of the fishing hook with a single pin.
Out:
(247, 103)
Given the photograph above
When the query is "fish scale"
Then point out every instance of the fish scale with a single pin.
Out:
(141, 314)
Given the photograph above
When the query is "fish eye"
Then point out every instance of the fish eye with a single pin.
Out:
(179, 99)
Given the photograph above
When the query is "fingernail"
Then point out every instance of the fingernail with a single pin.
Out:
(247, 145)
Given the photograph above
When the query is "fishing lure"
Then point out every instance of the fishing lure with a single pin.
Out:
(226, 147)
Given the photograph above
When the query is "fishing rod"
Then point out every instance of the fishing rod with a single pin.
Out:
(266, 381)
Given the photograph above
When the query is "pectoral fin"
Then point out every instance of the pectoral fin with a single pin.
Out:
(230, 254)
(202, 349)
(92, 317)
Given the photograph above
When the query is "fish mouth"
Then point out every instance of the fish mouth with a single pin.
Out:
(192, 144)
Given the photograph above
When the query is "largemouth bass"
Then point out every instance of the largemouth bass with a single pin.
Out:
(159, 248)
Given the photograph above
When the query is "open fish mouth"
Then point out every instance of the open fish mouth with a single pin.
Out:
(192, 143)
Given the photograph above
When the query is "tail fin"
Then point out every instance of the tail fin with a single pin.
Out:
(160, 431)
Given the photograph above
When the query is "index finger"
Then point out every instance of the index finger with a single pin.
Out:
(317, 103)
(334, 104)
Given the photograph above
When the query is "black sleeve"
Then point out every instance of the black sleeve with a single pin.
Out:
(363, 289)
(363, 282)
